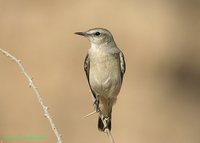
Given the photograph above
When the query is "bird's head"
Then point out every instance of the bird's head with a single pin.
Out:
(97, 36)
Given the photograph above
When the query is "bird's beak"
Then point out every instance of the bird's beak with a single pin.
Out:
(81, 33)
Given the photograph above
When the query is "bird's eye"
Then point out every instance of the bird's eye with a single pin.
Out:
(97, 33)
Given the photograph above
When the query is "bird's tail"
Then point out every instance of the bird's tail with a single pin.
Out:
(101, 126)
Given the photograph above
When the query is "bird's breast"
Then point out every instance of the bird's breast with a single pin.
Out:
(105, 73)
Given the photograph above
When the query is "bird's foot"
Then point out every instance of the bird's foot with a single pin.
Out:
(96, 105)
(106, 121)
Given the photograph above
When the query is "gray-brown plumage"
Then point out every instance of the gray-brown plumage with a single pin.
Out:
(104, 67)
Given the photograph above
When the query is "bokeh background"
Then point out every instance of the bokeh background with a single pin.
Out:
(160, 98)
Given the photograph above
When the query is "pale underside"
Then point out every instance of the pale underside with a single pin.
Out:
(105, 79)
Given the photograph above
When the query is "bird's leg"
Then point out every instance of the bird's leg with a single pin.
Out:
(96, 101)
(96, 104)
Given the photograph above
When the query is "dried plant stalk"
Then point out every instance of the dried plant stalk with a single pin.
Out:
(36, 91)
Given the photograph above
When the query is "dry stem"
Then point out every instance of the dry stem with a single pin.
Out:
(107, 131)
(36, 91)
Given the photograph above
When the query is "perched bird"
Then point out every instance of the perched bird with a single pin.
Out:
(104, 66)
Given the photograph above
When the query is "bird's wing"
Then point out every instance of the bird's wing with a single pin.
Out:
(87, 72)
(122, 64)
(87, 66)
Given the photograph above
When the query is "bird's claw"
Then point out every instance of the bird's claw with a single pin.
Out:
(107, 120)
(96, 105)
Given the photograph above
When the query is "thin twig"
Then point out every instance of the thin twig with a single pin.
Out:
(36, 91)
(110, 135)
(107, 131)
(90, 114)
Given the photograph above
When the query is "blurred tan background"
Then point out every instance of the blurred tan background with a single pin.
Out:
(160, 98)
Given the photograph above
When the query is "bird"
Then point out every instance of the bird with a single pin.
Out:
(104, 67)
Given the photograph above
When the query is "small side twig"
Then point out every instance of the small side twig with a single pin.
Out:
(36, 91)
(92, 113)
